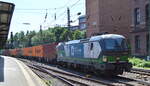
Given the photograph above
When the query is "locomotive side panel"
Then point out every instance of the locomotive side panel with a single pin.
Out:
(87, 50)
(95, 50)
(79, 53)
(76, 50)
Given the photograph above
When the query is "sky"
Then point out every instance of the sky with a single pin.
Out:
(30, 14)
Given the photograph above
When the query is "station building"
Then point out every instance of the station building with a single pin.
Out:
(126, 17)
(82, 22)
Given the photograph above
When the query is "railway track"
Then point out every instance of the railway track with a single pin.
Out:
(63, 79)
(70, 79)
(140, 71)
(78, 80)
(141, 76)
(132, 81)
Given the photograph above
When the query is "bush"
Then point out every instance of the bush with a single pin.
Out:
(147, 64)
(139, 62)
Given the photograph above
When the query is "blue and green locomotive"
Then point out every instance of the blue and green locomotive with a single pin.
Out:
(103, 54)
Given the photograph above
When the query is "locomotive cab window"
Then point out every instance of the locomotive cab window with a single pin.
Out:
(115, 44)
(91, 47)
(110, 44)
(124, 44)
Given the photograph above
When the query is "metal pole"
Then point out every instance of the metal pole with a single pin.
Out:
(68, 16)
(12, 40)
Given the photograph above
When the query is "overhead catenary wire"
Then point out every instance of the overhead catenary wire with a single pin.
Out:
(48, 9)
(69, 7)
(54, 15)
(45, 16)
(74, 4)
(59, 16)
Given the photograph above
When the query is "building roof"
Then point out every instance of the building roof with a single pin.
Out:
(83, 16)
(6, 11)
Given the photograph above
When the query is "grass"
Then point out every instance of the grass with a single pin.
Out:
(139, 63)
(142, 67)
(48, 83)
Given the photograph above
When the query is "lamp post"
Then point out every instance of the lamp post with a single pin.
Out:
(6, 12)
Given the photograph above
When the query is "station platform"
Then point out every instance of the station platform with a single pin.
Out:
(15, 73)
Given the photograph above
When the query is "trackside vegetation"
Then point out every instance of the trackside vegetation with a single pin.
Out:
(47, 82)
(140, 63)
(50, 35)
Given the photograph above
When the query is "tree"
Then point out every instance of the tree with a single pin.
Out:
(56, 34)
(65, 36)
(22, 39)
(29, 36)
(77, 34)
(48, 37)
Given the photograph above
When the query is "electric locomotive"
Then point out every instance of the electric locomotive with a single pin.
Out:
(103, 54)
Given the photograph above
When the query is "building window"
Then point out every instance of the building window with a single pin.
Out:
(136, 16)
(147, 43)
(137, 42)
(82, 20)
(146, 13)
(82, 26)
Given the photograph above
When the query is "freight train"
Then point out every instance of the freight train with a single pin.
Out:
(104, 54)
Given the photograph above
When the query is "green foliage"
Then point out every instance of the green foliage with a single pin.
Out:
(65, 35)
(47, 82)
(56, 34)
(77, 35)
(45, 37)
(139, 62)
(61, 34)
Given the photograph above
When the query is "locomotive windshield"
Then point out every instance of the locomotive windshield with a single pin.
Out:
(115, 44)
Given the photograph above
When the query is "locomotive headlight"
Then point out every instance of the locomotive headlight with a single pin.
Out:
(117, 58)
(104, 59)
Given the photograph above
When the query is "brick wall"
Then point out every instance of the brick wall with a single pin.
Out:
(117, 16)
